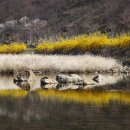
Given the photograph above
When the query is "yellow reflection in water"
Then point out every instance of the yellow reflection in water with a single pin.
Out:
(81, 96)
(87, 97)
(13, 93)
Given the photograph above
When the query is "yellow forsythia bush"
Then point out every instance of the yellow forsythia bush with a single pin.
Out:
(83, 43)
(13, 48)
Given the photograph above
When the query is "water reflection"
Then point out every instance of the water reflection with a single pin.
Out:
(103, 106)
(23, 85)
(38, 111)
(7, 83)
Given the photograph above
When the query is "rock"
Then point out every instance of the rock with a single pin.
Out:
(65, 79)
(98, 78)
(68, 86)
(77, 79)
(49, 86)
(61, 78)
(19, 79)
(23, 85)
(75, 76)
(25, 76)
(47, 80)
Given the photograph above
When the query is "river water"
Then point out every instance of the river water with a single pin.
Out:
(100, 106)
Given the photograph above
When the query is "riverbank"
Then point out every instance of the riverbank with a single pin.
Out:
(59, 63)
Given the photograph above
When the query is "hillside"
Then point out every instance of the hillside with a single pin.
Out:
(65, 16)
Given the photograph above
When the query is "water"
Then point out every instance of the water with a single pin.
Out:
(103, 106)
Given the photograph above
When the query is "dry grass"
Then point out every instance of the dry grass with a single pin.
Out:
(57, 63)
(83, 43)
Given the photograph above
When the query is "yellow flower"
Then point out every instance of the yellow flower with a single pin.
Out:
(13, 48)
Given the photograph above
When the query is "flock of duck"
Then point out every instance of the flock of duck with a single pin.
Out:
(25, 79)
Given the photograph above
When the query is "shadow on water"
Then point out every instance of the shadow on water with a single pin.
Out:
(103, 106)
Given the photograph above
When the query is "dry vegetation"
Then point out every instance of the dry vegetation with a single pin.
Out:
(57, 63)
